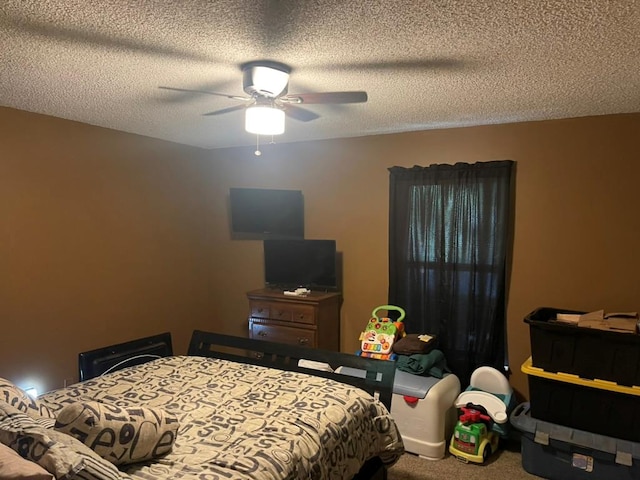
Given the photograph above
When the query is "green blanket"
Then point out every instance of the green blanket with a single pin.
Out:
(432, 364)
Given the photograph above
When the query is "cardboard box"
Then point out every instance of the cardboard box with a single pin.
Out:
(614, 322)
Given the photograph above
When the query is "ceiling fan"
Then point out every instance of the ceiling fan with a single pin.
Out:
(267, 100)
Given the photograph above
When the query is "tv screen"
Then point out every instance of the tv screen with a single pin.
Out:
(289, 264)
(258, 213)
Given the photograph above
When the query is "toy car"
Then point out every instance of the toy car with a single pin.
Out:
(484, 417)
(473, 440)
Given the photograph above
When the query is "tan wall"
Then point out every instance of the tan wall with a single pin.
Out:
(575, 236)
(103, 239)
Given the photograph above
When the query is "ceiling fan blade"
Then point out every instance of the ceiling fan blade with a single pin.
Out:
(206, 92)
(327, 97)
(225, 110)
(298, 113)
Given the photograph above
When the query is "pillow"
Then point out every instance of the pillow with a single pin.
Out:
(58, 453)
(120, 435)
(14, 467)
(15, 396)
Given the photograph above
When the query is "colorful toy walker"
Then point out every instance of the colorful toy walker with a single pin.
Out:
(378, 337)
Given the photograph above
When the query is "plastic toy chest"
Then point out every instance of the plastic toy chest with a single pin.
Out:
(587, 352)
(600, 407)
(426, 424)
(561, 453)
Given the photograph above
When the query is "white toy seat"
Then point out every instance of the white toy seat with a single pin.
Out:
(488, 379)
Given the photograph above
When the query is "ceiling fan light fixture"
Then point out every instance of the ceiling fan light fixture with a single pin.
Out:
(266, 80)
(264, 120)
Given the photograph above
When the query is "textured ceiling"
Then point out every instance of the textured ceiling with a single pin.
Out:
(424, 64)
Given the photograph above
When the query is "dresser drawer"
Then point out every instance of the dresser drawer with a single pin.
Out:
(284, 312)
(260, 309)
(282, 334)
(280, 312)
(303, 314)
(293, 313)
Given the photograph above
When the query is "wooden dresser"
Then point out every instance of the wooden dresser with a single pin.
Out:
(312, 320)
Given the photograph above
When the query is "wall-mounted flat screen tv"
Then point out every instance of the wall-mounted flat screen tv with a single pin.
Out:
(258, 214)
(289, 264)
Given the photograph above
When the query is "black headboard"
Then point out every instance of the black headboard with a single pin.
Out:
(375, 376)
(108, 359)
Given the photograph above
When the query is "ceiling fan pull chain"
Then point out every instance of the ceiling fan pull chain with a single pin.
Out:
(258, 152)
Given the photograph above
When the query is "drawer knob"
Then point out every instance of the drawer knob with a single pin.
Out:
(303, 341)
(262, 333)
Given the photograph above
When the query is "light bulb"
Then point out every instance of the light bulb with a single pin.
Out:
(264, 120)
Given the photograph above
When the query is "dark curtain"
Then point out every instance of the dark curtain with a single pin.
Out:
(450, 234)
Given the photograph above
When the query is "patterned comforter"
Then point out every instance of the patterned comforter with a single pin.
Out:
(241, 421)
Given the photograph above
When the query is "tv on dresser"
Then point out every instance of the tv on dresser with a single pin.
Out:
(294, 263)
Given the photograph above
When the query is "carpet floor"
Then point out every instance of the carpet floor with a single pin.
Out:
(504, 464)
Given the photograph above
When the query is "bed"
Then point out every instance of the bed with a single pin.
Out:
(239, 409)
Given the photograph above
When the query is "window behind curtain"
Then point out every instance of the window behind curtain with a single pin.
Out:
(449, 240)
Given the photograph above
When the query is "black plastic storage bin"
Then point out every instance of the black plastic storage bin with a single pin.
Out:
(587, 352)
(561, 453)
(596, 406)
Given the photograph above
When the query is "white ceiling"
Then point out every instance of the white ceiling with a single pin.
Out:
(424, 64)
